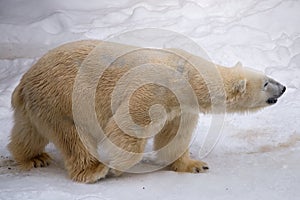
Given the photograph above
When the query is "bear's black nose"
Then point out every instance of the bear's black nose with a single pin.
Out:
(283, 90)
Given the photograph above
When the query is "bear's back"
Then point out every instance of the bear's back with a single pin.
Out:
(46, 88)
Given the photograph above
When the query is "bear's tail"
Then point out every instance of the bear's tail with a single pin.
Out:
(17, 99)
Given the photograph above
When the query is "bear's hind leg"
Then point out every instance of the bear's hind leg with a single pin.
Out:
(26, 144)
(85, 168)
(78, 152)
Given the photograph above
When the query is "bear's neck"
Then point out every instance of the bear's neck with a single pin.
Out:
(209, 84)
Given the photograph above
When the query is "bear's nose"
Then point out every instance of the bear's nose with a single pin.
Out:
(283, 90)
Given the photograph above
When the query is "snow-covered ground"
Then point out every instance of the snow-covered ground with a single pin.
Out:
(258, 155)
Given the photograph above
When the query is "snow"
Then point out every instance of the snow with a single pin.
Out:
(257, 156)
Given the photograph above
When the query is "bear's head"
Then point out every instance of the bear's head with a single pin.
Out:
(250, 90)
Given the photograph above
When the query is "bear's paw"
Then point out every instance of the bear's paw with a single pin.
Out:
(190, 166)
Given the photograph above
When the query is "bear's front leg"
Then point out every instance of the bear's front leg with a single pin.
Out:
(172, 146)
(186, 164)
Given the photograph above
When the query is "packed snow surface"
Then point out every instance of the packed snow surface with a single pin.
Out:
(257, 156)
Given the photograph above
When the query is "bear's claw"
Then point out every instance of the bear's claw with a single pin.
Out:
(200, 167)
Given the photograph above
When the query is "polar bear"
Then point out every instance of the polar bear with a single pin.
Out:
(51, 104)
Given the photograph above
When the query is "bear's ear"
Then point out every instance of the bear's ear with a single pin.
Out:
(240, 86)
(238, 65)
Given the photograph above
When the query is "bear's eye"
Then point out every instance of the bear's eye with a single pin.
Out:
(266, 84)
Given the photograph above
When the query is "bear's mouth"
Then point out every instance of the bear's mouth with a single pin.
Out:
(271, 101)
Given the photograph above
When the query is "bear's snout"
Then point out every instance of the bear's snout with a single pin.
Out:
(273, 99)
